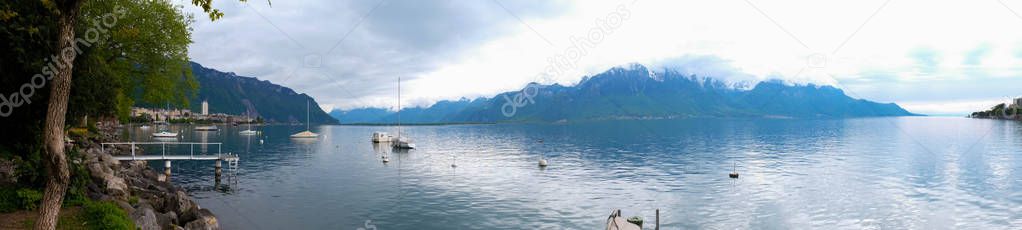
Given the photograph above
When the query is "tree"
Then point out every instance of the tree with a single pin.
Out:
(54, 158)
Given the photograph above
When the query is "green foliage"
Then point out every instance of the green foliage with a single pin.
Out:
(12, 199)
(106, 215)
(144, 56)
(80, 178)
(29, 198)
(9, 201)
(143, 53)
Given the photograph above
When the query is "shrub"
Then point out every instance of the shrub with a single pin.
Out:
(106, 215)
(29, 198)
(8, 200)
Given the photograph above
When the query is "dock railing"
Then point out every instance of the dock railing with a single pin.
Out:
(163, 149)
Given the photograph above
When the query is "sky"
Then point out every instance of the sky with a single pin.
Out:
(930, 57)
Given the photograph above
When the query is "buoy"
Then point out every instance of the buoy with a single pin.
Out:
(260, 141)
(454, 166)
(385, 159)
(542, 163)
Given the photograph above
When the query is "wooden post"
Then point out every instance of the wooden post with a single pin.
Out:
(219, 171)
(657, 219)
(166, 169)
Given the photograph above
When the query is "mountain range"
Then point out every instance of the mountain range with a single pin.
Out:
(637, 92)
(228, 93)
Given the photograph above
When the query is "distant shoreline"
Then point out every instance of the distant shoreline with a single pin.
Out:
(418, 124)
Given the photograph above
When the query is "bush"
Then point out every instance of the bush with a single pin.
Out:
(8, 200)
(106, 215)
(29, 198)
(19, 199)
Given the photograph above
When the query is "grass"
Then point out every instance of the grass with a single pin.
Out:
(91, 215)
(70, 219)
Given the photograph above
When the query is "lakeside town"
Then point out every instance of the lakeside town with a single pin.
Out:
(178, 116)
(1012, 111)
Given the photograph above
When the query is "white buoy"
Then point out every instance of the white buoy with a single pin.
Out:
(542, 163)
(260, 141)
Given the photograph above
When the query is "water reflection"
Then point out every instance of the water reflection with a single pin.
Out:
(902, 173)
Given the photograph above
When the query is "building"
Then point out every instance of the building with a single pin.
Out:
(205, 107)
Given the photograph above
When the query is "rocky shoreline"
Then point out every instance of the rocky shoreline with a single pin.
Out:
(148, 197)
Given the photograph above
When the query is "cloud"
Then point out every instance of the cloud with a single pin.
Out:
(450, 49)
(975, 56)
(352, 52)
(927, 60)
(706, 66)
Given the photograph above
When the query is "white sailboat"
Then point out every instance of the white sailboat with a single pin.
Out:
(400, 142)
(206, 128)
(248, 131)
(307, 133)
(164, 134)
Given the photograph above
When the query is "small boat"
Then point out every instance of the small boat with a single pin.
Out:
(248, 131)
(164, 134)
(380, 137)
(617, 222)
(402, 143)
(144, 127)
(306, 133)
(206, 128)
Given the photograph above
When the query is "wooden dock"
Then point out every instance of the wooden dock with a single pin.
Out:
(226, 157)
(218, 157)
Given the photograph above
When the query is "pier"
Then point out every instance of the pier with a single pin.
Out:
(218, 157)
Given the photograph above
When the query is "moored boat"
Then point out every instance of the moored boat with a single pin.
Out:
(206, 128)
(164, 134)
(380, 137)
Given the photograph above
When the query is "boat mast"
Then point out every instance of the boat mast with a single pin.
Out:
(307, 115)
(398, 108)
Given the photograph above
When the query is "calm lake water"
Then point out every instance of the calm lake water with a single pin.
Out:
(872, 173)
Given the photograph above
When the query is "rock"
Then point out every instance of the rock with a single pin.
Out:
(125, 206)
(115, 186)
(109, 160)
(205, 220)
(145, 218)
(168, 220)
(181, 204)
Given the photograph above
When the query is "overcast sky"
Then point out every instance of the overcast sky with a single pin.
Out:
(935, 57)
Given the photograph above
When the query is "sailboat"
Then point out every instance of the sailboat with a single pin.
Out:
(400, 142)
(165, 133)
(248, 131)
(307, 133)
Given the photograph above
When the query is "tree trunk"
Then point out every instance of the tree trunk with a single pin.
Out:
(58, 174)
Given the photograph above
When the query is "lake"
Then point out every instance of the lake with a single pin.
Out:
(869, 173)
